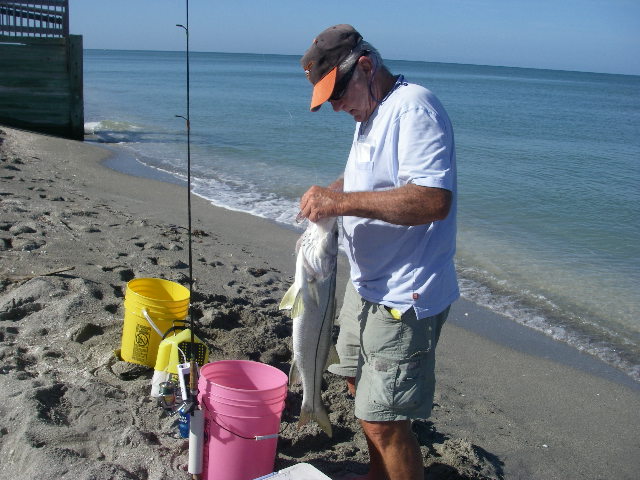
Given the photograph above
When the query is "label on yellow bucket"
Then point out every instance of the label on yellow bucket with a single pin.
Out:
(141, 344)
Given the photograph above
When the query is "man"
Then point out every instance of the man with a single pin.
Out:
(398, 202)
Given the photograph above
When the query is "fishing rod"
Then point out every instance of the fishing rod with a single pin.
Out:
(190, 405)
(193, 382)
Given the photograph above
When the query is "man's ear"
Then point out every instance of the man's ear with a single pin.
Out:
(366, 64)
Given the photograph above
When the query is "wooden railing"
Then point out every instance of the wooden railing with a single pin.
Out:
(44, 18)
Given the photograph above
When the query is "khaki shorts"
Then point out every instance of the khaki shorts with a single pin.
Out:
(392, 360)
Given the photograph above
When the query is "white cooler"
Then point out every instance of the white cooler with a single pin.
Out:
(300, 471)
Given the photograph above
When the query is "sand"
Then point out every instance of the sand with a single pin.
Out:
(510, 403)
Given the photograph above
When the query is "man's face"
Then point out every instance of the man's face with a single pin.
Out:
(357, 100)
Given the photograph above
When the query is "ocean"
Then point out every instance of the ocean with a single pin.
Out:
(548, 170)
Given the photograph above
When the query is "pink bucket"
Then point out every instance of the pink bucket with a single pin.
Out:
(243, 402)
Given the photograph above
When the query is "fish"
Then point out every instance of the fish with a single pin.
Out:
(312, 302)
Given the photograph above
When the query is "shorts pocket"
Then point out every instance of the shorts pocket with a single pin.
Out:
(398, 384)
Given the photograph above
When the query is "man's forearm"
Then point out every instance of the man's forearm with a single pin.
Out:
(406, 205)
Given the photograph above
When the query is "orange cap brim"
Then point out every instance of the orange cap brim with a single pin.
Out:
(323, 89)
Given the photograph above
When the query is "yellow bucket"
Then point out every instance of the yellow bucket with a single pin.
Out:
(151, 307)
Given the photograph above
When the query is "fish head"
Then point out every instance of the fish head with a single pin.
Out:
(319, 246)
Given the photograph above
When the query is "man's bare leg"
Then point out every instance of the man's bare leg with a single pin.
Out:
(397, 449)
(394, 452)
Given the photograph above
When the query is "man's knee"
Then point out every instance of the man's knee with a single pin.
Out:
(384, 433)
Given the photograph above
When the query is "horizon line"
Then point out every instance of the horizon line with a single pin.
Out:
(386, 59)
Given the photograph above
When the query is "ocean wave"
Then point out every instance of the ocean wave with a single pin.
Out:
(237, 195)
(541, 314)
(117, 131)
(91, 128)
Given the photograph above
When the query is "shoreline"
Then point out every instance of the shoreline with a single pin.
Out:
(511, 402)
(491, 328)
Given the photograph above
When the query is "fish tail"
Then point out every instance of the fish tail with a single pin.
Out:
(319, 416)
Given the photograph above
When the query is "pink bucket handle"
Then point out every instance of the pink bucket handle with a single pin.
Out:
(255, 437)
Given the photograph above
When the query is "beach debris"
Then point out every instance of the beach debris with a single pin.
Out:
(311, 300)
(24, 278)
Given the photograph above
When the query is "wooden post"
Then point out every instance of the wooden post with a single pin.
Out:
(76, 93)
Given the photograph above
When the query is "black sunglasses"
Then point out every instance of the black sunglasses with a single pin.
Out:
(341, 85)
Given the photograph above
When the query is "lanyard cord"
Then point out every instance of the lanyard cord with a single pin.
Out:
(399, 81)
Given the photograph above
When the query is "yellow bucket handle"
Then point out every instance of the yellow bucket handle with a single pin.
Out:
(153, 325)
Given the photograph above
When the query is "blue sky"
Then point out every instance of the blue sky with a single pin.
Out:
(584, 35)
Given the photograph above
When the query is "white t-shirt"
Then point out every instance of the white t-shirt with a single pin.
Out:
(408, 139)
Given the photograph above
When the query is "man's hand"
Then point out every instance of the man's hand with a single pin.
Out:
(319, 202)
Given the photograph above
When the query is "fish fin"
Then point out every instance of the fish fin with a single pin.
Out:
(294, 373)
(297, 308)
(319, 416)
(333, 356)
(289, 298)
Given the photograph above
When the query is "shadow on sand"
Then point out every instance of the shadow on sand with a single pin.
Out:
(445, 458)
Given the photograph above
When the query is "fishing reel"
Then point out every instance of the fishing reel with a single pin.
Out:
(167, 394)
(174, 403)
(180, 396)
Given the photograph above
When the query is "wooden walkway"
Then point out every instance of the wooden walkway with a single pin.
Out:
(41, 85)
